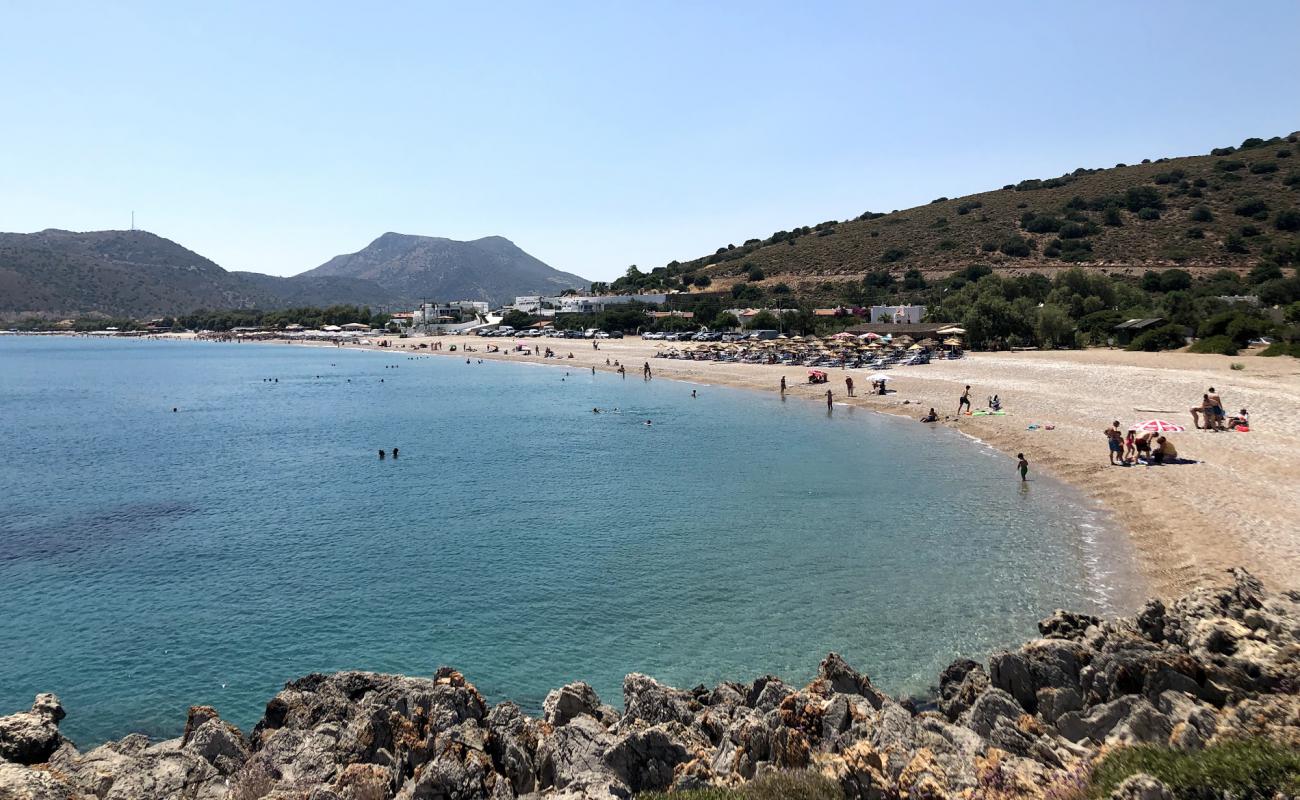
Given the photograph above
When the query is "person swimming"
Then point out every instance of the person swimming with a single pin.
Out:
(382, 455)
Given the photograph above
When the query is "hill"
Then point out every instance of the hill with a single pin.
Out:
(132, 273)
(1228, 209)
(492, 269)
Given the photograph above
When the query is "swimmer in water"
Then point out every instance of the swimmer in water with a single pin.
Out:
(381, 455)
(394, 452)
(648, 422)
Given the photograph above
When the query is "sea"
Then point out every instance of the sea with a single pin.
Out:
(196, 523)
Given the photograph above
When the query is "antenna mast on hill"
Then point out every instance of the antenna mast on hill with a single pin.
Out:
(133, 220)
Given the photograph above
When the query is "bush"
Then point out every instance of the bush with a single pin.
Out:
(1229, 165)
(1263, 167)
(1249, 768)
(1235, 244)
(1283, 153)
(1112, 217)
(1175, 280)
(1195, 233)
(1254, 208)
(1140, 197)
(893, 254)
(1148, 214)
(1039, 223)
(755, 275)
(1016, 247)
(1249, 231)
(1217, 345)
(1201, 214)
(989, 247)
(1288, 220)
(1253, 141)
(1282, 349)
(1168, 337)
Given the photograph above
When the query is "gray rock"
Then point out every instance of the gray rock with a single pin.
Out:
(835, 675)
(650, 701)
(1052, 703)
(1128, 720)
(512, 742)
(993, 705)
(644, 760)
(1066, 625)
(20, 782)
(573, 755)
(1010, 673)
(1141, 787)
(563, 704)
(31, 737)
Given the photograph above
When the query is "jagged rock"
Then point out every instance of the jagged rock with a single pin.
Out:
(512, 742)
(988, 708)
(1066, 625)
(215, 741)
(1219, 663)
(835, 675)
(1128, 720)
(20, 782)
(565, 703)
(645, 760)
(31, 737)
(1141, 787)
(648, 700)
(960, 686)
(573, 754)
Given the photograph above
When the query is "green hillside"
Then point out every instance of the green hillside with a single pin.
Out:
(1229, 209)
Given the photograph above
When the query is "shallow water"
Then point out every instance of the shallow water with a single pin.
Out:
(151, 560)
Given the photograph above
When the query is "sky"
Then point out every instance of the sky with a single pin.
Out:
(273, 136)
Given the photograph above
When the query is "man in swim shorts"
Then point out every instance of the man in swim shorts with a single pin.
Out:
(964, 400)
(1115, 441)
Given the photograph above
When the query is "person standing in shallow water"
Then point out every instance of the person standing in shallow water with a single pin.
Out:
(1023, 466)
(645, 371)
(830, 399)
(783, 386)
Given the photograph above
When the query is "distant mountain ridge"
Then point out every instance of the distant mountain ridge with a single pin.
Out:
(493, 268)
(140, 274)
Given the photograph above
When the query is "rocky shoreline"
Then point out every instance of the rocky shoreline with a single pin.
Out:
(1215, 665)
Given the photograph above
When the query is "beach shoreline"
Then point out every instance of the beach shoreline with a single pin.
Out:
(1187, 523)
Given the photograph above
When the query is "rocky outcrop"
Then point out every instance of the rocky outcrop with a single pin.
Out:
(1216, 664)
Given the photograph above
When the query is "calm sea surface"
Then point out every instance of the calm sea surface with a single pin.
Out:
(150, 560)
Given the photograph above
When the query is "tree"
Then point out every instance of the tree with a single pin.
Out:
(763, 320)
(1054, 327)
(515, 318)
(1288, 220)
(703, 281)
(1173, 280)
(725, 320)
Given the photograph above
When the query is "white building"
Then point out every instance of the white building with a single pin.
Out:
(455, 311)
(910, 315)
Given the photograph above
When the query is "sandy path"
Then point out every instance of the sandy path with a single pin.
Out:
(1238, 505)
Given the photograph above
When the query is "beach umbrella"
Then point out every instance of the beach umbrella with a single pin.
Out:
(879, 376)
(950, 329)
(916, 347)
(952, 342)
(1158, 426)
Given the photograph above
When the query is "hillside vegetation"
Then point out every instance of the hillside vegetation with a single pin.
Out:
(1229, 209)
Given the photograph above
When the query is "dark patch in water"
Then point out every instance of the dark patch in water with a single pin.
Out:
(47, 539)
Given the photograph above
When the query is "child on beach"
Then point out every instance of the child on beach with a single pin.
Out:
(1023, 466)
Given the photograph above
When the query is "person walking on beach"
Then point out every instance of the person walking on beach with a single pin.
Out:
(1115, 443)
(783, 386)
(848, 383)
(1023, 466)
(964, 400)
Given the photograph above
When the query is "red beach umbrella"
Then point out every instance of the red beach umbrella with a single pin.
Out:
(1158, 426)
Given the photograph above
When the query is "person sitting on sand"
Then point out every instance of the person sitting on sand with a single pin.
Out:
(995, 403)
(1165, 451)
(1242, 420)
(931, 417)
(1115, 443)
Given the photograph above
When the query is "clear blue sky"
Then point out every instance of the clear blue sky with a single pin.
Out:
(271, 136)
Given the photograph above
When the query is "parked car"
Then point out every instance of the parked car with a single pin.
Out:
(616, 334)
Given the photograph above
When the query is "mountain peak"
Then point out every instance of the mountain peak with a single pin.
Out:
(491, 268)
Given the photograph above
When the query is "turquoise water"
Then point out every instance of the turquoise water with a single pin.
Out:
(150, 560)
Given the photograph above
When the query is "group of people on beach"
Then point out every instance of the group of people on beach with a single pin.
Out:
(1134, 448)
(1210, 415)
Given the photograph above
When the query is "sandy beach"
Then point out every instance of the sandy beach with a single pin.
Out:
(1236, 505)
